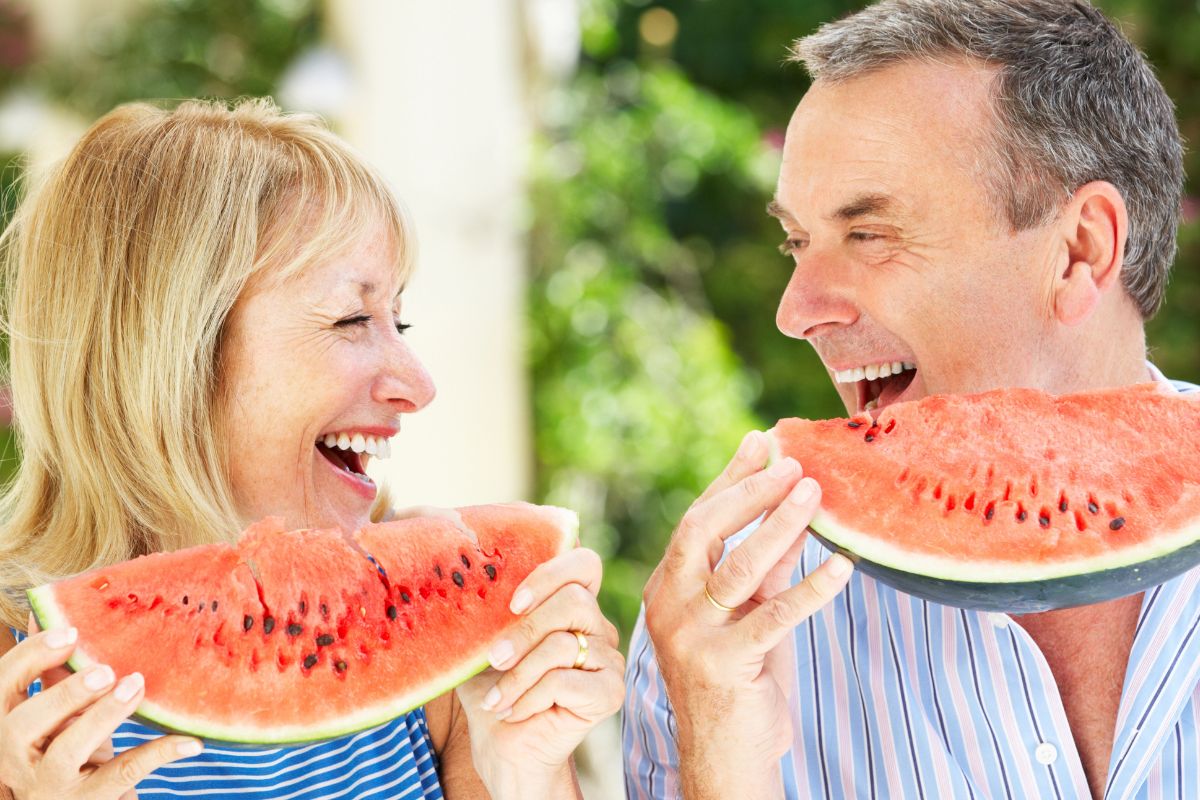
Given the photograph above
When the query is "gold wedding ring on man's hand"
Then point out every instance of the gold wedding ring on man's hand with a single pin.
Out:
(580, 659)
(717, 604)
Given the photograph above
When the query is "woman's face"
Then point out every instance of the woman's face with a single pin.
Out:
(317, 374)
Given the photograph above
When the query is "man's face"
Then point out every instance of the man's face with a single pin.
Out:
(901, 255)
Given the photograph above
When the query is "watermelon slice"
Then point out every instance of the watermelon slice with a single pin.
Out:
(1012, 500)
(306, 635)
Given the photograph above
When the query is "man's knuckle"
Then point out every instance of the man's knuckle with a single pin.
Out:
(738, 566)
(132, 770)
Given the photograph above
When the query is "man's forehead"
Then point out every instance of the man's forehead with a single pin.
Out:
(887, 139)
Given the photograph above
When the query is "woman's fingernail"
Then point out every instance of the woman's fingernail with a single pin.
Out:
(128, 687)
(839, 565)
(98, 677)
(803, 491)
(500, 653)
(189, 748)
(521, 601)
(61, 637)
(783, 468)
(504, 713)
(490, 699)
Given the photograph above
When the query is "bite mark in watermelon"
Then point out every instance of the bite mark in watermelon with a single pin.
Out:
(1011, 500)
(298, 636)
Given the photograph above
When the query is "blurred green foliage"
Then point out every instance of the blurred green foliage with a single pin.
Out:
(655, 270)
(176, 49)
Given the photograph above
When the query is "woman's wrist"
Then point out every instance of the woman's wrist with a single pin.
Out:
(523, 783)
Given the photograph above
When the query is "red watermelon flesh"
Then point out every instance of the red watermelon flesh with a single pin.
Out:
(1011, 487)
(304, 635)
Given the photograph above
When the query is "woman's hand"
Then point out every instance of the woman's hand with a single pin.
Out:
(57, 745)
(547, 689)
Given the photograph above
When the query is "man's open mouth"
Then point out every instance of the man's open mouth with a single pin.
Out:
(350, 451)
(880, 384)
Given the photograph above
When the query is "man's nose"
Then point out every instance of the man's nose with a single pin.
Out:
(815, 302)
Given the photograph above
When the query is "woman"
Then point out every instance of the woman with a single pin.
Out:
(196, 298)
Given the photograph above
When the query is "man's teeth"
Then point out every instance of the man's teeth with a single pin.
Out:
(872, 372)
(360, 443)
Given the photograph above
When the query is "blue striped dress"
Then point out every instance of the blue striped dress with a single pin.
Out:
(897, 697)
(393, 762)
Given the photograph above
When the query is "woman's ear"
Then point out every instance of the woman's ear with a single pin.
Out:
(1094, 227)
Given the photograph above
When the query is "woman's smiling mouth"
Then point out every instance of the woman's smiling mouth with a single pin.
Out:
(348, 453)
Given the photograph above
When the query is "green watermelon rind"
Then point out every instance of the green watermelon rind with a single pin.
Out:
(1009, 585)
(49, 615)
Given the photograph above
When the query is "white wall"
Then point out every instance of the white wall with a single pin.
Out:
(438, 104)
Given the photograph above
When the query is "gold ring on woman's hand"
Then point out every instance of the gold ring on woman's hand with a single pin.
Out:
(580, 659)
(717, 604)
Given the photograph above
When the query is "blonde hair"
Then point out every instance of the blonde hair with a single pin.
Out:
(121, 268)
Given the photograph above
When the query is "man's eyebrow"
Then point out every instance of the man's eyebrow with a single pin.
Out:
(776, 210)
(863, 205)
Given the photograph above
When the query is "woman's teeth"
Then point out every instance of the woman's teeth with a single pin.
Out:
(376, 446)
(872, 372)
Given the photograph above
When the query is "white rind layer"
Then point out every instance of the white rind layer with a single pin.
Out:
(50, 615)
(989, 572)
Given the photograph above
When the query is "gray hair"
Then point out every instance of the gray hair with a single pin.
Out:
(1074, 102)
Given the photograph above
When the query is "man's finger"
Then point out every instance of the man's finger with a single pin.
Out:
(766, 626)
(751, 456)
(744, 569)
(699, 540)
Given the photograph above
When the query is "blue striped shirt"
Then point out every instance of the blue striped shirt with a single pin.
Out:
(393, 762)
(902, 698)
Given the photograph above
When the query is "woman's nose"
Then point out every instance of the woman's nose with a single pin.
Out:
(403, 381)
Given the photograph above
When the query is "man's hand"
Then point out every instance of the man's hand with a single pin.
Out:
(718, 630)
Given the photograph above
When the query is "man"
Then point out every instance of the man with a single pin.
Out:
(989, 190)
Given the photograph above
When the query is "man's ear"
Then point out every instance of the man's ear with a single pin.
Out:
(1094, 226)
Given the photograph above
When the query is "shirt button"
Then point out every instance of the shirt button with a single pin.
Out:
(1046, 753)
(998, 619)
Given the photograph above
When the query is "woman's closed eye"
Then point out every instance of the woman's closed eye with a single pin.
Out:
(364, 320)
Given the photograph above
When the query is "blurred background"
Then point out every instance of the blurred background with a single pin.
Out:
(597, 288)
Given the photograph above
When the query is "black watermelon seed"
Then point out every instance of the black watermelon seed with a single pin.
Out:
(247, 622)
(466, 561)
(404, 596)
(392, 612)
(491, 571)
(340, 666)
(1092, 507)
(870, 437)
(310, 661)
(324, 640)
(1043, 520)
(185, 600)
(990, 512)
(268, 624)
(438, 569)
(324, 611)
(303, 606)
(1117, 524)
(853, 424)
(295, 630)
(1021, 515)
(214, 605)
(458, 578)
(1062, 504)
